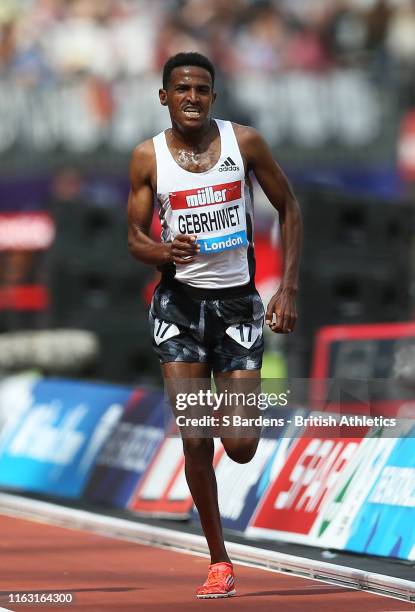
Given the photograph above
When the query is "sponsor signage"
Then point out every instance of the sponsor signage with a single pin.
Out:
(385, 522)
(53, 444)
(216, 194)
(129, 450)
(240, 486)
(16, 394)
(334, 523)
(163, 491)
(294, 501)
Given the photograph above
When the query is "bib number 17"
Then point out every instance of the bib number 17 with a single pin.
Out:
(163, 330)
(245, 334)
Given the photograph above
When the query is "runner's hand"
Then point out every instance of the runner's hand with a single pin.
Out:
(281, 313)
(184, 249)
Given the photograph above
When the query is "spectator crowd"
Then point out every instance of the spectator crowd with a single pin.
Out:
(42, 40)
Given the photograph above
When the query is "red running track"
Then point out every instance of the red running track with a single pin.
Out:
(109, 574)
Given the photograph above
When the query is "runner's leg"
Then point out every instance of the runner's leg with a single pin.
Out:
(200, 475)
(239, 448)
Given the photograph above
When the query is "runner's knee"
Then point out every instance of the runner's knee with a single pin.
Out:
(198, 449)
(241, 450)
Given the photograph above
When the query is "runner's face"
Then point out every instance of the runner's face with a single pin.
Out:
(189, 96)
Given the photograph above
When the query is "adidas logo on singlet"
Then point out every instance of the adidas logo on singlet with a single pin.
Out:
(228, 165)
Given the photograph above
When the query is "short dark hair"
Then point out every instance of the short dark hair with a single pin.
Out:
(191, 58)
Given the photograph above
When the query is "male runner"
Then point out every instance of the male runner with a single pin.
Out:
(206, 315)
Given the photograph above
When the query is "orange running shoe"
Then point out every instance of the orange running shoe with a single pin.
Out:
(220, 582)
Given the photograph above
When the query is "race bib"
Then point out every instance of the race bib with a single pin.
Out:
(216, 214)
(163, 330)
(245, 334)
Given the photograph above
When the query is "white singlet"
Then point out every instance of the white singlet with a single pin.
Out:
(216, 205)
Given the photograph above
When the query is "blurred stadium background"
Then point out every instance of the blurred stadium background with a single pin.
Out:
(330, 83)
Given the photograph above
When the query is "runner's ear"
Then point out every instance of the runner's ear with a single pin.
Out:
(163, 97)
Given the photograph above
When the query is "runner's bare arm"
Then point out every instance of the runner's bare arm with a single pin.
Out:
(278, 190)
(140, 214)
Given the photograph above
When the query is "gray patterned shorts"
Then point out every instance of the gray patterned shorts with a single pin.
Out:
(226, 333)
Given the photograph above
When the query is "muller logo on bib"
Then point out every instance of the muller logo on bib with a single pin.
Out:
(216, 214)
(206, 196)
(215, 194)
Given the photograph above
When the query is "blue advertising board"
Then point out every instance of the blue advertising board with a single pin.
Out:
(126, 455)
(385, 524)
(53, 444)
